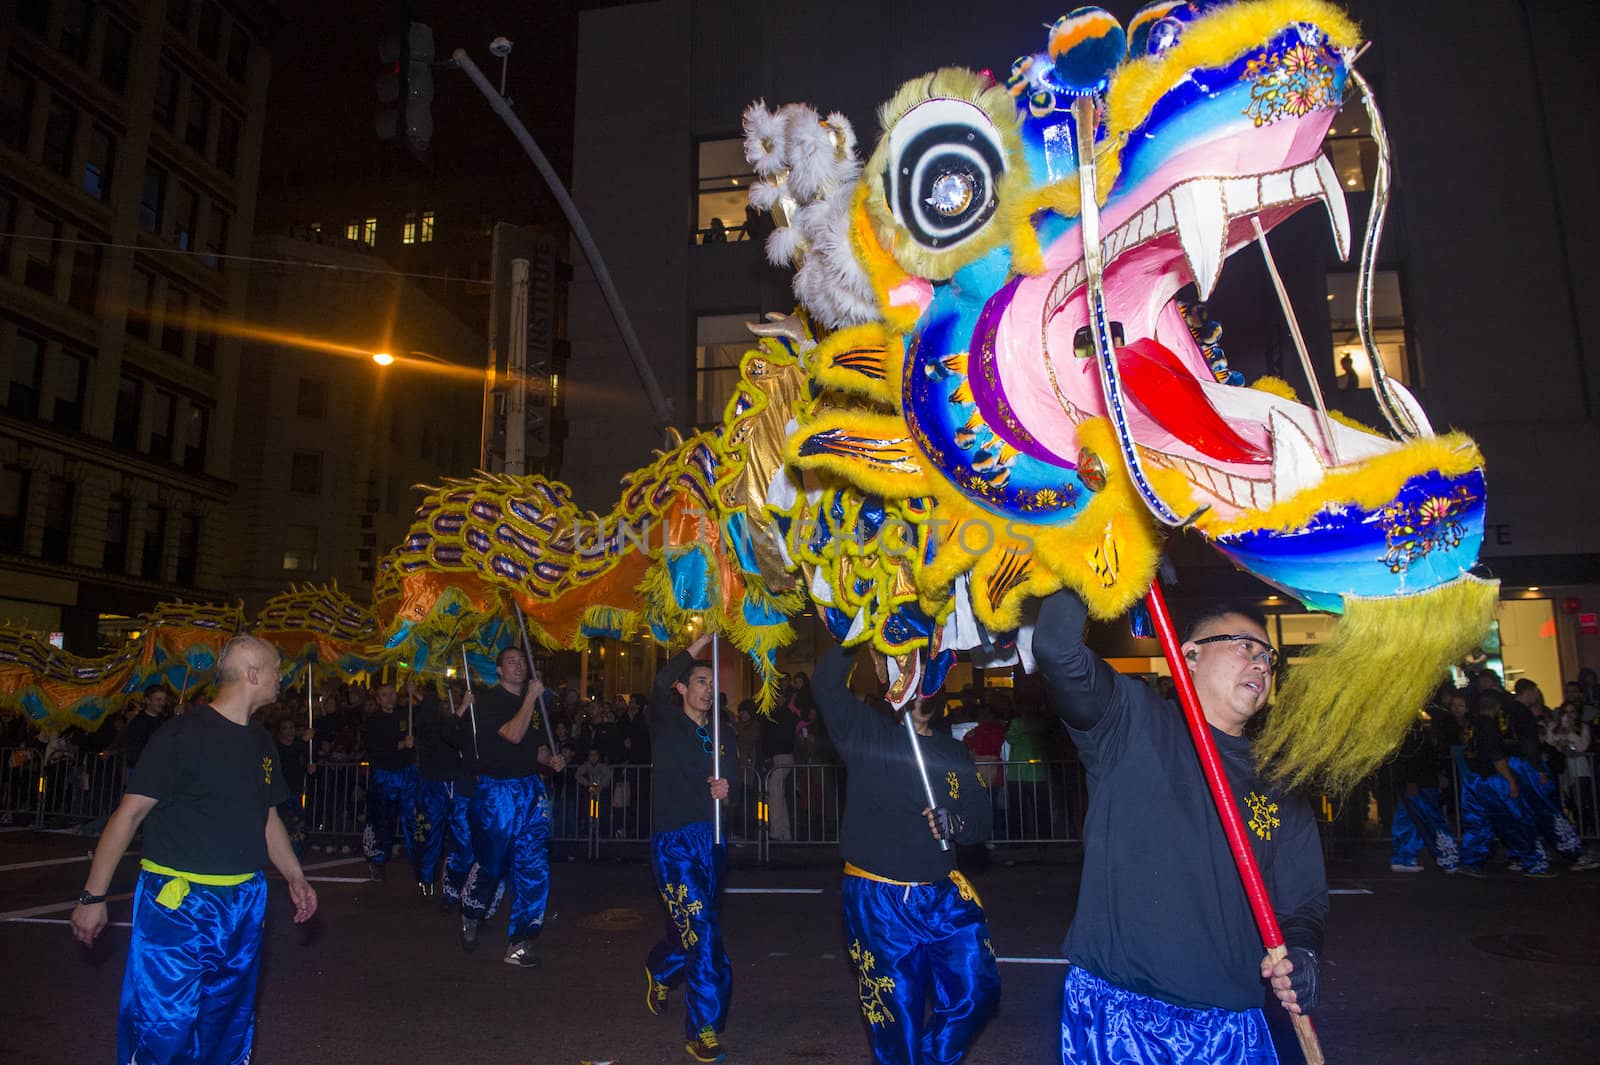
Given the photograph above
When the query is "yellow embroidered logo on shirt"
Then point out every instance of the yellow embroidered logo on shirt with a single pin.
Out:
(871, 988)
(266, 770)
(954, 784)
(1263, 815)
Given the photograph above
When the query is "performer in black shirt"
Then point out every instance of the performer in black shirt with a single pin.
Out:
(1165, 953)
(392, 780)
(157, 700)
(1491, 799)
(509, 811)
(689, 866)
(442, 799)
(916, 927)
(204, 792)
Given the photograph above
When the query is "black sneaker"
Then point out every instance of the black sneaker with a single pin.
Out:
(375, 872)
(655, 994)
(1474, 871)
(521, 953)
(705, 1046)
(469, 934)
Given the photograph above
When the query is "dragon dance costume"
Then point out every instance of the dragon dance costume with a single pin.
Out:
(439, 809)
(509, 821)
(1419, 819)
(1487, 806)
(916, 929)
(390, 787)
(690, 868)
(188, 993)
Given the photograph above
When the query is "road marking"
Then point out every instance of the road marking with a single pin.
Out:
(330, 865)
(773, 891)
(1349, 891)
(60, 920)
(341, 879)
(47, 861)
(1032, 961)
(57, 907)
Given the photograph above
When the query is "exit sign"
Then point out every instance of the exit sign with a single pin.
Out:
(1589, 624)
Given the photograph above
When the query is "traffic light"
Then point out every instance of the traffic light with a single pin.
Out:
(405, 87)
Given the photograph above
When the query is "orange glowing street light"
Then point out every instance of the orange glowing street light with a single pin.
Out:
(382, 358)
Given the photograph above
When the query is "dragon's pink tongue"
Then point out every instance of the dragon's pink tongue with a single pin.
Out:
(1169, 394)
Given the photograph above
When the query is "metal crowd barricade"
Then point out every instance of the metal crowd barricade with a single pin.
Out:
(1036, 801)
(19, 785)
(1577, 782)
(335, 801)
(81, 787)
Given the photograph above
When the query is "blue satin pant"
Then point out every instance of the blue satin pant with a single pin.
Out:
(1487, 811)
(1419, 822)
(908, 942)
(440, 827)
(510, 829)
(1103, 1024)
(690, 871)
(1543, 800)
(389, 799)
(188, 993)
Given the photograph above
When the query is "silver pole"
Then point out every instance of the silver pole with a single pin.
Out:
(527, 649)
(1299, 340)
(716, 734)
(311, 723)
(580, 230)
(472, 711)
(922, 767)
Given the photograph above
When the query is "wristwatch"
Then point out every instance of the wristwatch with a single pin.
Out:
(86, 899)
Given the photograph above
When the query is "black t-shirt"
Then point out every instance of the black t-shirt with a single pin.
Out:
(438, 742)
(1161, 910)
(497, 756)
(292, 759)
(1487, 742)
(137, 735)
(381, 735)
(213, 782)
(682, 757)
(884, 831)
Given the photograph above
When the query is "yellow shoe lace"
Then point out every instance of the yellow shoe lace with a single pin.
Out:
(708, 1038)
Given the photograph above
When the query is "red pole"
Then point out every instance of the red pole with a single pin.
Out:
(1244, 858)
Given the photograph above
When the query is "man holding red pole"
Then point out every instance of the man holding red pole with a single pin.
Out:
(1166, 956)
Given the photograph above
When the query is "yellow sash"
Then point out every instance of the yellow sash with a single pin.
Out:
(177, 889)
(963, 885)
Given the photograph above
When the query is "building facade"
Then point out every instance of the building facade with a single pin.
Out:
(1479, 305)
(130, 135)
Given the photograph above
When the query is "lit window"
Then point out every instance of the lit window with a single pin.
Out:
(1352, 370)
(426, 235)
(723, 190)
(300, 547)
(352, 231)
(720, 343)
(408, 232)
(1351, 148)
(369, 232)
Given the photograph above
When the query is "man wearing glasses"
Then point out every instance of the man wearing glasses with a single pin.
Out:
(1166, 959)
(689, 866)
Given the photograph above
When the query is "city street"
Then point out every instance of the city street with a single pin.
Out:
(1419, 969)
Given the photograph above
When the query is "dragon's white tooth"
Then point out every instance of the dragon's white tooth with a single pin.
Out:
(1304, 182)
(1240, 195)
(1295, 464)
(1163, 214)
(1276, 187)
(1202, 230)
(1409, 405)
(1333, 196)
(1147, 222)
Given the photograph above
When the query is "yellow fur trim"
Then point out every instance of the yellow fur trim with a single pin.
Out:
(864, 360)
(1216, 40)
(1276, 386)
(1350, 423)
(881, 269)
(950, 83)
(874, 452)
(1346, 707)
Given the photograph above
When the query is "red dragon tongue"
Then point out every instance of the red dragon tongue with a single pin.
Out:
(1165, 390)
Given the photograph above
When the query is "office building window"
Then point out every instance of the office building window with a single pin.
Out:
(178, 12)
(369, 232)
(720, 342)
(13, 508)
(165, 107)
(16, 109)
(152, 198)
(130, 399)
(41, 251)
(152, 553)
(27, 360)
(115, 556)
(352, 230)
(115, 56)
(8, 219)
(85, 287)
(300, 547)
(311, 397)
(1352, 369)
(164, 409)
(722, 191)
(188, 548)
(97, 167)
(141, 294)
(185, 215)
(408, 231)
(198, 123)
(425, 233)
(238, 52)
(70, 374)
(195, 434)
(77, 19)
(58, 499)
(208, 33)
(216, 238)
(228, 127)
(205, 338)
(60, 127)
(305, 473)
(175, 322)
(1350, 146)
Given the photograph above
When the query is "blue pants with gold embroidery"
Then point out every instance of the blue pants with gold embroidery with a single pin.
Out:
(389, 797)
(510, 825)
(1102, 1024)
(188, 993)
(690, 871)
(1487, 811)
(912, 941)
(1419, 822)
(1543, 801)
(439, 821)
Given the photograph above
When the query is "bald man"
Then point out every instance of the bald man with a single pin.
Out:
(204, 790)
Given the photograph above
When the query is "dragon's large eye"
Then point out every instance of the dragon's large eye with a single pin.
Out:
(944, 159)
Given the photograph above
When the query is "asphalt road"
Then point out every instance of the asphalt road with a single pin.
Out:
(1420, 968)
